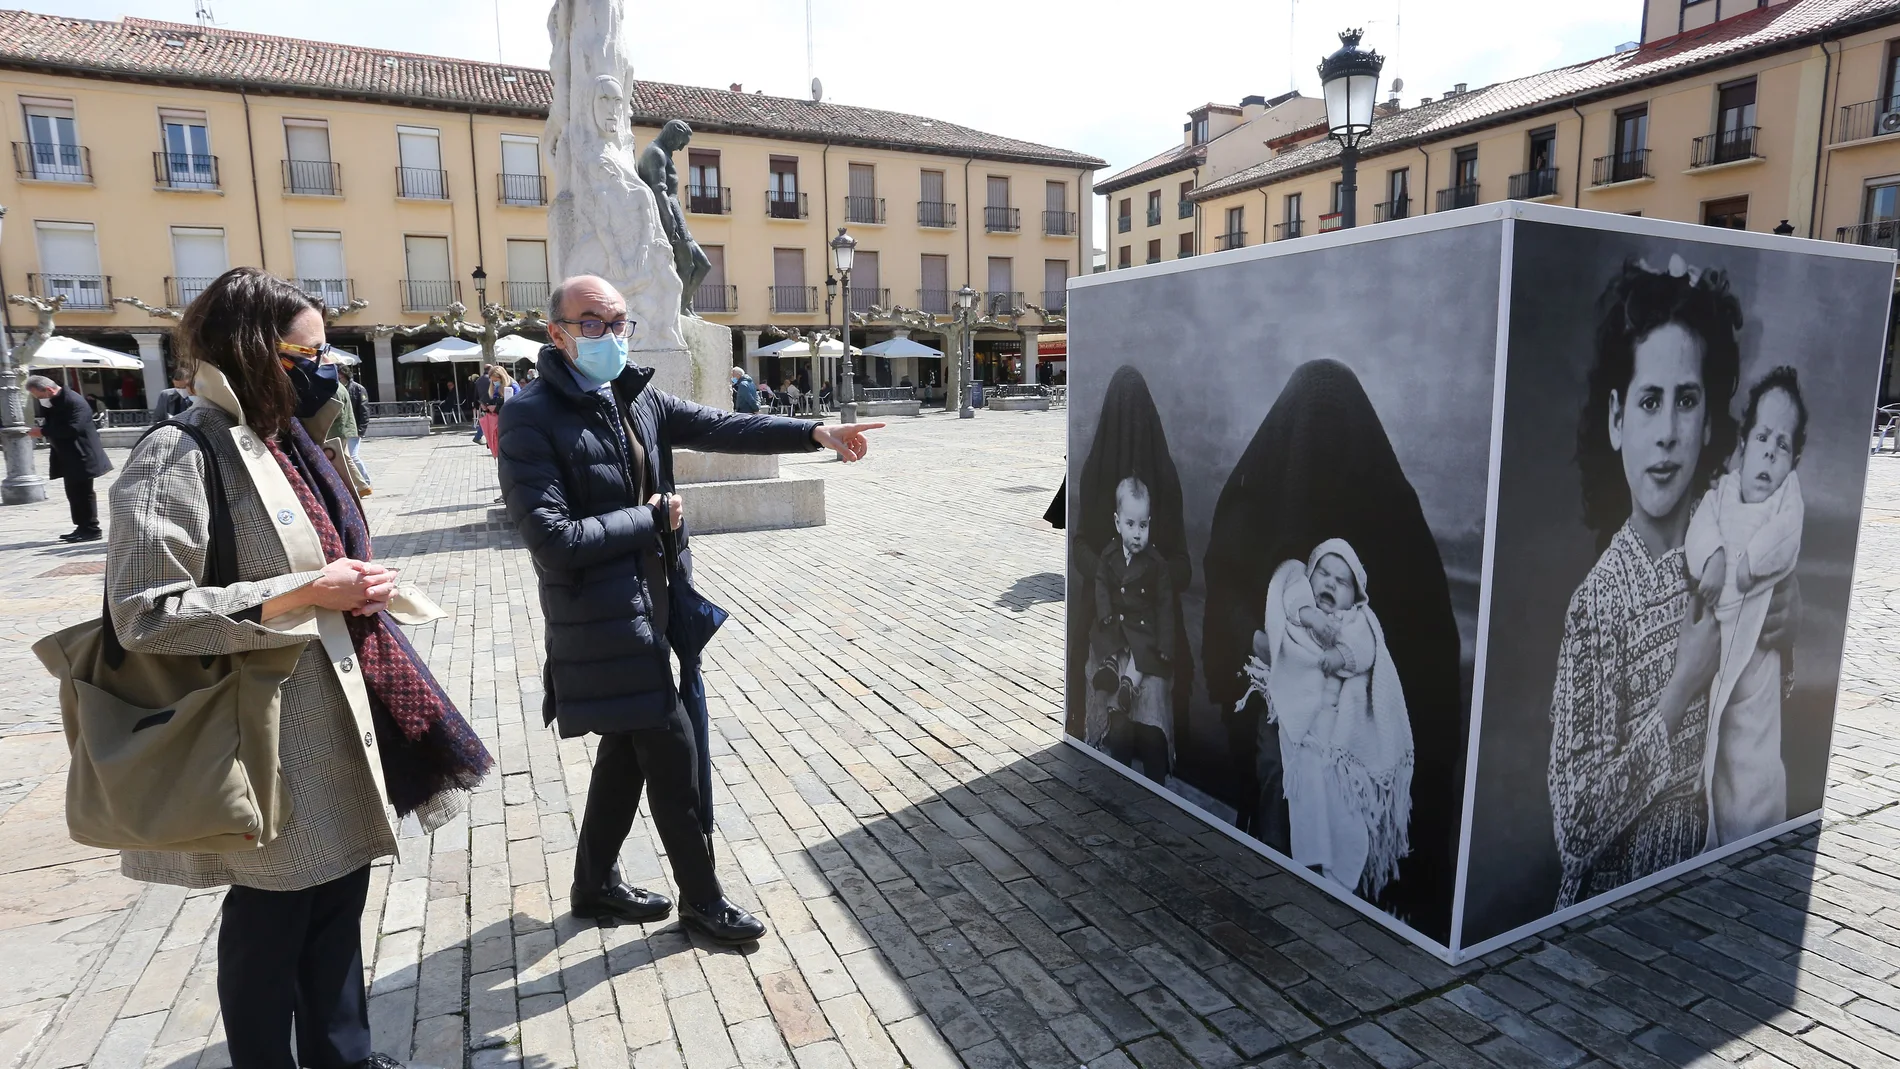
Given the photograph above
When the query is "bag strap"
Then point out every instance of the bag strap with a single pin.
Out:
(221, 567)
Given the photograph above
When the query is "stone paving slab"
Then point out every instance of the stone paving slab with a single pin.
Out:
(947, 883)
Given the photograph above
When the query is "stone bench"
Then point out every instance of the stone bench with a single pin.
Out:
(1018, 404)
(121, 437)
(398, 427)
(887, 409)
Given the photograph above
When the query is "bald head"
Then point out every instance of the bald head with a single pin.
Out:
(579, 298)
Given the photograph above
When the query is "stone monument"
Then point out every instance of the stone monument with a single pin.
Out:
(657, 171)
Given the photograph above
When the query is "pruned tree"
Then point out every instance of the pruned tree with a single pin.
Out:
(44, 309)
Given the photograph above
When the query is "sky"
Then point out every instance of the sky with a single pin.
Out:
(1111, 79)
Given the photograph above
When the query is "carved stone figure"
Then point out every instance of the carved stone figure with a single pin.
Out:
(658, 172)
(605, 220)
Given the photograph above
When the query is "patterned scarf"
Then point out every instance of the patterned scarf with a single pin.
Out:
(426, 746)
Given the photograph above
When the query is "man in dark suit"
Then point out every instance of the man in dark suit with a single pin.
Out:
(78, 457)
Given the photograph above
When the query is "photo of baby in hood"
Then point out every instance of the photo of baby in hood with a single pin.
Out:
(1345, 739)
(1744, 538)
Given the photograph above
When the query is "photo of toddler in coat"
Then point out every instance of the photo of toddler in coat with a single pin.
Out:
(1135, 599)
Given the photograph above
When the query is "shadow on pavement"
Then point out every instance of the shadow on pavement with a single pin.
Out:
(1032, 590)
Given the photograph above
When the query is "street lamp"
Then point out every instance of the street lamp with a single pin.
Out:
(844, 250)
(1349, 80)
(22, 484)
(966, 353)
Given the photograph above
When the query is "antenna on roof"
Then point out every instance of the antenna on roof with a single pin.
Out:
(811, 71)
(499, 58)
(1292, 23)
(203, 15)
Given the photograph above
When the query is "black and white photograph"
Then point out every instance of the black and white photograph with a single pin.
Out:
(1278, 479)
(1684, 451)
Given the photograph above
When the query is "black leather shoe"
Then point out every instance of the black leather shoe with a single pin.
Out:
(632, 905)
(723, 922)
(93, 535)
(379, 1061)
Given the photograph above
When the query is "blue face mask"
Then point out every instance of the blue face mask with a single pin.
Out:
(601, 359)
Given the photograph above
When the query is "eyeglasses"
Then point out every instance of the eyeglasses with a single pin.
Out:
(594, 328)
(318, 353)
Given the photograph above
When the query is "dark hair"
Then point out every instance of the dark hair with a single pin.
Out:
(1784, 379)
(234, 326)
(1635, 303)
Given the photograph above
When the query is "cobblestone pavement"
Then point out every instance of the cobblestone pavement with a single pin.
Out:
(945, 881)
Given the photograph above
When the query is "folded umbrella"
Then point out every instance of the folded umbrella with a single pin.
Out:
(693, 620)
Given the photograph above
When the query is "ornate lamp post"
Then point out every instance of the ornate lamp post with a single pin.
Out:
(844, 251)
(22, 483)
(831, 299)
(481, 301)
(966, 349)
(1349, 80)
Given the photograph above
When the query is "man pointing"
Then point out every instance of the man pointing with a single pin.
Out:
(587, 474)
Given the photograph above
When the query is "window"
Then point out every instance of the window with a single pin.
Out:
(1291, 209)
(864, 282)
(186, 158)
(1882, 203)
(1235, 234)
(527, 285)
(935, 296)
(319, 261)
(1001, 298)
(1338, 198)
(1540, 178)
(521, 182)
(860, 202)
(1154, 207)
(307, 167)
(782, 199)
(1398, 194)
(932, 209)
(1735, 122)
(1629, 159)
(198, 257)
(714, 294)
(420, 173)
(704, 194)
(997, 214)
(789, 292)
(1185, 208)
(1154, 251)
(1055, 285)
(69, 266)
(1731, 213)
(1185, 247)
(1200, 129)
(998, 189)
(1543, 149)
(1464, 167)
(1890, 78)
(1124, 256)
(1124, 215)
(53, 152)
(429, 284)
(1056, 217)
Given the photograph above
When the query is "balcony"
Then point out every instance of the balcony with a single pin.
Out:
(936, 302)
(1233, 239)
(1154, 216)
(793, 300)
(864, 210)
(1124, 223)
(428, 295)
(709, 200)
(524, 295)
(83, 293)
(1002, 220)
(1883, 234)
(184, 170)
(1184, 210)
(1533, 185)
(1292, 228)
(1729, 146)
(330, 292)
(313, 178)
(1055, 302)
(1386, 211)
(936, 214)
(1462, 196)
(422, 183)
(712, 298)
(1002, 303)
(1630, 165)
(180, 292)
(781, 205)
(1868, 119)
(1058, 224)
(863, 299)
(523, 190)
(47, 162)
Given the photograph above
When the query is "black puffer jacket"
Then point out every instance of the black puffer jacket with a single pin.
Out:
(569, 489)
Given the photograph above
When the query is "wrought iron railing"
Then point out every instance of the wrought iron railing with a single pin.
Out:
(1002, 219)
(794, 300)
(864, 209)
(1869, 118)
(332, 292)
(1292, 228)
(936, 213)
(1727, 146)
(1058, 224)
(313, 178)
(1124, 223)
(83, 293)
(709, 200)
(1882, 234)
(1184, 210)
(523, 190)
(780, 205)
(1154, 216)
(525, 295)
(1627, 166)
(1531, 185)
(185, 170)
(180, 292)
(936, 302)
(714, 298)
(1003, 302)
(1154, 258)
(1233, 239)
(45, 161)
(429, 294)
(1460, 196)
(864, 298)
(422, 183)
(1386, 211)
(1055, 300)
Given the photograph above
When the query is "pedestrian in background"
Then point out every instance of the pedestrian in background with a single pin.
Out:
(745, 393)
(78, 458)
(178, 398)
(359, 411)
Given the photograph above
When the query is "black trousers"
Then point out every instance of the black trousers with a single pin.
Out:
(295, 956)
(666, 760)
(83, 501)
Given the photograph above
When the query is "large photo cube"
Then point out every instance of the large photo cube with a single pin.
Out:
(1476, 567)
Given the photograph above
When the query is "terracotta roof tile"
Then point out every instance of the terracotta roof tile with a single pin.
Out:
(143, 49)
(1177, 158)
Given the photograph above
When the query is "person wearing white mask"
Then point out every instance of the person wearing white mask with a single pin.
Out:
(78, 457)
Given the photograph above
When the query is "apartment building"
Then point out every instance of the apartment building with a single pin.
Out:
(1151, 215)
(1781, 117)
(149, 157)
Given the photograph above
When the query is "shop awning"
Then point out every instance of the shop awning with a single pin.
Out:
(65, 352)
(899, 348)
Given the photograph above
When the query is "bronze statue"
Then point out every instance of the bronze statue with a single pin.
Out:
(657, 171)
